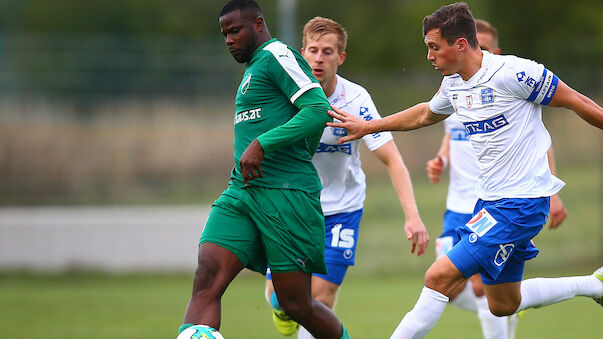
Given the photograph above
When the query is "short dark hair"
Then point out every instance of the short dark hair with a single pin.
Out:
(454, 21)
(242, 5)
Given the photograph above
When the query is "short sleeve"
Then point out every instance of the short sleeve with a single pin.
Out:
(368, 112)
(440, 103)
(531, 81)
(289, 71)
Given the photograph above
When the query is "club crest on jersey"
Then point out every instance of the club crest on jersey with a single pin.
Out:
(339, 132)
(469, 101)
(503, 254)
(486, 126)
(481, 223)
(487, 95)
(245, 84)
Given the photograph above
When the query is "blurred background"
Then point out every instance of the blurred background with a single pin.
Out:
(116, 137)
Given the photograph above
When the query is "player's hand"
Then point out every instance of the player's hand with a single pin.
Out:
(417, 234)
(557, 213)
(250, 162)
(355, 126)
(434, 169)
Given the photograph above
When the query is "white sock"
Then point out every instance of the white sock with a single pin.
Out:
(512, 325)
(304, 334)
(540, 292)
(423, 317)
(466, 300)
(493, 327)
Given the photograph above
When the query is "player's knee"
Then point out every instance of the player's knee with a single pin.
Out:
(296, 310)
(435, 279)
(478, 289)
(503, 309)
(202, 280)
(325, 298)
(207, 281)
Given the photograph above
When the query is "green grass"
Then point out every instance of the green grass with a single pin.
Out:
(80, 305)
(383, 285)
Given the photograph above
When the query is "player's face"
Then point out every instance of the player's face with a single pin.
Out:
(323, 56)
(443, 57)
(239, 34)
(486, 42)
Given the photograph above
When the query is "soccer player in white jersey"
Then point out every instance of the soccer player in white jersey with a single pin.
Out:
(339, 168)
(498, 99)
(456, 150)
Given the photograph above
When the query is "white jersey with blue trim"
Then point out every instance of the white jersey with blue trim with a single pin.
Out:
(463, 168)
(500, 108)
(339, 166)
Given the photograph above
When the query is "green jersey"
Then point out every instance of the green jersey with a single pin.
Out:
(281, 104)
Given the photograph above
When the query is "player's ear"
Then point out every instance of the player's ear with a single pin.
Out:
(462, 44)
(342, 57)
(259, 23)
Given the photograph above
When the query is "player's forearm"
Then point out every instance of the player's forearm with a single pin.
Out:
(586, 108)
(589, 110)
(445, 146)
(309, 121)
(412, 118)
(400, 178)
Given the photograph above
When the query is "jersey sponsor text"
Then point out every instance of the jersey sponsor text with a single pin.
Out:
(251, 114)
(486, 126)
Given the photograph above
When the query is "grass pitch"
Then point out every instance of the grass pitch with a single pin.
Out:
(80, 305)
(378, 291)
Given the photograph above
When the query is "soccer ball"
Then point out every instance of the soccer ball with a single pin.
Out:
(200, 332)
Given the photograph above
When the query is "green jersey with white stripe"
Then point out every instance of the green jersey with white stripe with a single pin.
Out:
(280, 103)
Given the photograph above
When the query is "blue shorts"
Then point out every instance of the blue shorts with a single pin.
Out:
(449, 237)
(497, 240)
(336, 273)
(341, 237)
(341, 232)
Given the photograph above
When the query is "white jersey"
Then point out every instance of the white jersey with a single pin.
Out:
(463, 168)
(339, 166)
(500, 109)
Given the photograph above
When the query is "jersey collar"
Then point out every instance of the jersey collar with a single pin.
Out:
(261, 47)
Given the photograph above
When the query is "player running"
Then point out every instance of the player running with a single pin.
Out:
(341, 175)
(456, 150)
(498, 99)
(270, 213)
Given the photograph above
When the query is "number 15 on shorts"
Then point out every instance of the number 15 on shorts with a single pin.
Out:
(342, 238)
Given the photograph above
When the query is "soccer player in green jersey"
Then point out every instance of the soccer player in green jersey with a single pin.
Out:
(270, 214)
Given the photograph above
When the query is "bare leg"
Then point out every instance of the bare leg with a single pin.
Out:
(216, 268)
(293, 290)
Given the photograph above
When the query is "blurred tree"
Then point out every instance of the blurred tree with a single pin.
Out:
(385, 35)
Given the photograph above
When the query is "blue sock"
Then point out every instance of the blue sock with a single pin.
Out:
(274, 301)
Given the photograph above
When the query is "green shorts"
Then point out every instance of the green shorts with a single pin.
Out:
(266, 226)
